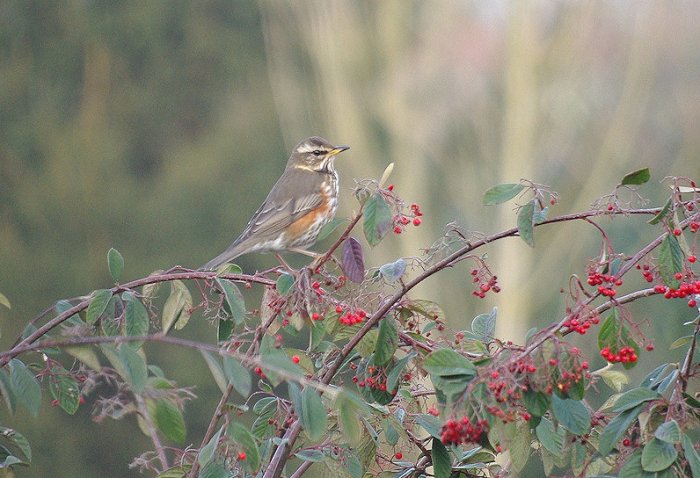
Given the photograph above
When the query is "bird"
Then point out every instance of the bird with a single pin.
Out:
(301, 202)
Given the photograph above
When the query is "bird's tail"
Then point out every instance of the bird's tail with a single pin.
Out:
(228, 255)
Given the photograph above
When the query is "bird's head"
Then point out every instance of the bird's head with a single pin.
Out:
(315, 154)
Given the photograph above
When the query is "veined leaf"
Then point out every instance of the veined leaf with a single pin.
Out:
(501, 193)
(65, 390)
(353, 261)
(670, 261)
(98, 304)
(636, 178)
(136, 321)
(168, 418)
(234, 299)
(376, 219)
(526, 220)
(387, 341)
(134, 367)
(25, 386)
(572, 415)
(314, 416)
(115, 262)
(658, 455)
(447, 362)
(238, 376)
(664, 211)
(442, 463)
(246, 440)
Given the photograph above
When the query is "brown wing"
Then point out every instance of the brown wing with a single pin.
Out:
(293, 196)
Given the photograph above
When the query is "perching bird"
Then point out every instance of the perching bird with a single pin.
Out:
(300, 203)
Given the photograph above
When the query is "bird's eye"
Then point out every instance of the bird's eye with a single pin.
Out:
(318, 152)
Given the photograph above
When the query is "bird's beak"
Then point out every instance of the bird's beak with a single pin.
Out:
(338, 149)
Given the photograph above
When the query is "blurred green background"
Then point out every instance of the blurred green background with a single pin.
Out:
(157, 128)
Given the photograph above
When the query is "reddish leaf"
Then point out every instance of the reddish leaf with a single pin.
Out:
(353, 261)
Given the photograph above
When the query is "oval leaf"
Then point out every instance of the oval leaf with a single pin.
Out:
(447, 362)
(636, 178)
(98, 304)
(501, 193)
(353, 261)
(65, 390)
(284, 284)
(670, 261)
(238, 376)
(526, 220)
(669, 432)
(572, 415)
(136, 320)
(25, 386)
(115, 262)
(377, 219)
(168, 418)
(234, 299)
(134, 368)
(387, 342)
(246, 440)
(393, 271)
(442, 463)
(658, 455)
(634, 397)
(314, 416)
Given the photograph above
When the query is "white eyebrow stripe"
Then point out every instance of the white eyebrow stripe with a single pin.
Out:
(307, 148)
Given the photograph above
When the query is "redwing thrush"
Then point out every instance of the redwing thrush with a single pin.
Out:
(301, 202)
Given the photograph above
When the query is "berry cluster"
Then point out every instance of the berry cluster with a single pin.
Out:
(577, 324)
(685, 289)
(351, 318)
(605, 283)
(402, 220)
(624, 355)
(456, 432)
(376, 380)
(484, 282)
(646, 272)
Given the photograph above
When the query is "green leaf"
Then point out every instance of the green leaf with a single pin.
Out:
(670, 261)
(177, 309)
(25, 386)
(238, 376)
(484, 325)
(377, 219)
(537, 403)
(314, 416)
(224, 330)
(658, 455)
(442, 463)
(614, 379)
(616, 429)
(636, 178)
(430, 424)
(215, 469)
(350, 408)
(246, 440)
(664, 211)
(669, 432)
(284, 284)
(234, 299)
(168, 418)
(447, 362)
(691, 455)
(206, 453)
(6, 391)
(681, 342)
(526, 223)
(115, 262)
(65, 390)
(17, 439)
(392, 378)
(387, 342)
(634, 397)
(393, 271)
(314, 456)
(136, 321)
(98, 304)
(216, 370)
(572, 415)
(5, 301)
(552, 440)
(501, 193)
(519, 446)
(134, 367)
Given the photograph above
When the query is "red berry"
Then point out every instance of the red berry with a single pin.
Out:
(692, 303)
(416, 221)
(626, 442)
(397, 230)
(295, 358)
(650, 347)
(390, 187)
(692, 259)
(677, 232)
(398, 455)
(241, 456)
(338, 309)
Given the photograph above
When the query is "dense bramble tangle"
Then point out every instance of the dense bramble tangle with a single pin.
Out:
(382, 384)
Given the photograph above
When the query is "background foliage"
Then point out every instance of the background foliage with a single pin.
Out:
(157, 128)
